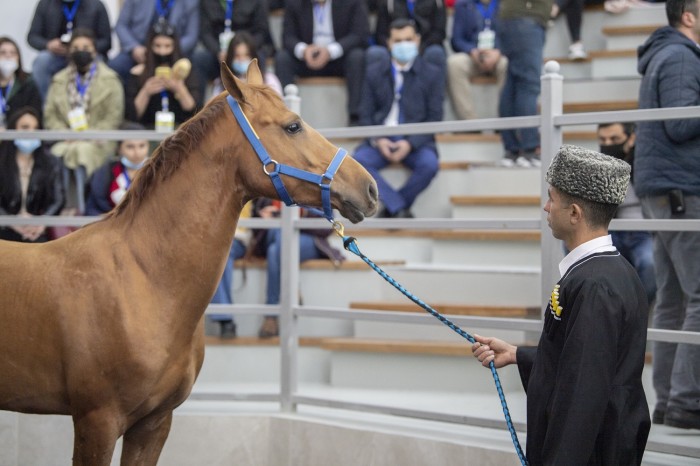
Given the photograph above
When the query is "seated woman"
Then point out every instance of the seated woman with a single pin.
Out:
(241, 51)
(86, 95)
(163, 92)
(30, 180)
(17, 88)
(109, 183)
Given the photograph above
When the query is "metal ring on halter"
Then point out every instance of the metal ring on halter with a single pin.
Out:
(275, 163)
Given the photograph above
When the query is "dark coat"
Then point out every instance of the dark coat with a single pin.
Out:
(45, 191)
(24, 93)
(422, 96)
(430, 17)
(49, 23)
(585, 400)
(350, 24)
(667, 154)
(248, 15)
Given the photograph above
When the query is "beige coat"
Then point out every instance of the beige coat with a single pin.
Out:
(105, 112)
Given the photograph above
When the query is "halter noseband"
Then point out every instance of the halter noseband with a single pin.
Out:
(323, 181)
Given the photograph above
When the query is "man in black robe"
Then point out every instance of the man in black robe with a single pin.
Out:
(585, 400)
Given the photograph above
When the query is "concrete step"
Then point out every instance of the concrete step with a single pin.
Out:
(627, 37)
(613, 63)
(506, 248)
(609, 89)
(497, 207)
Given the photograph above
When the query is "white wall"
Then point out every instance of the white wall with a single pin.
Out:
(17, 16)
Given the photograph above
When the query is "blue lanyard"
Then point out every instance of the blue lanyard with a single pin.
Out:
(229, 15)
(411, 4)
(4, 96)
(320, 12)
(125, 171)
(493, 5)
(70, 14)
(397, 90)
(163, 12)
(81, 85)
(164, 101)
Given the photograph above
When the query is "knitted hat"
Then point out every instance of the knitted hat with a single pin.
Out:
(589, 175)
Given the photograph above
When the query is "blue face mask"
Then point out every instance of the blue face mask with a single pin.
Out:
(404, 52)
(131, 165)
(240, 66)
(27, 146)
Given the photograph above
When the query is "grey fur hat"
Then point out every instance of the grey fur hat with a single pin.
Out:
(589, 175)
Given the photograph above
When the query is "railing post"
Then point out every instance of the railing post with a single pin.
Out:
(551, 102)
(289, 299)
(292, 99)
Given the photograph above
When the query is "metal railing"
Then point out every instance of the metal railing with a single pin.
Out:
(550, 124)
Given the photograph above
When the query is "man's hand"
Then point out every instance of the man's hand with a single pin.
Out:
(316, 57)
(489, 60)
(401, 149)
(487, 349)
(57, 47)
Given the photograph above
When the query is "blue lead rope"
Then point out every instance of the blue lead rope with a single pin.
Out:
(350, 244)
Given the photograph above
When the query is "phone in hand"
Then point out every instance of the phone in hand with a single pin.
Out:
(676, 201)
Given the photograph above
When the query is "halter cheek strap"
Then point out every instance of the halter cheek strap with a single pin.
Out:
(323, 181)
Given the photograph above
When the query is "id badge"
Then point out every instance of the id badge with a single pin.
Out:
(165, 122)
(77, 119)
(65, 38)
(486, 40)
(225, 39)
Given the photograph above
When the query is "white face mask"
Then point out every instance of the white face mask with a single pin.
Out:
(8, 66)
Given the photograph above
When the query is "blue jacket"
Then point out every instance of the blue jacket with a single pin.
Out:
(422, 95)
(667, 153)
(468, 22)
(137, 16)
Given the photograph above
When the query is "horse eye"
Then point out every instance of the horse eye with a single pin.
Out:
(293, 128)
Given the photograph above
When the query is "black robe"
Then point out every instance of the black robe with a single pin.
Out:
(585, 400)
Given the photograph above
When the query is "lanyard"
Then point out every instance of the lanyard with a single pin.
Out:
(320, 12)
(229, 15)
(493, 5)
(164, 101)
(411, 4)
(125, 172)
(69, 14)
(163, 11)
(81, 85)
(5, 96)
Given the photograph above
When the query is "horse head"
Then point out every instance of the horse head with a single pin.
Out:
(290, 142)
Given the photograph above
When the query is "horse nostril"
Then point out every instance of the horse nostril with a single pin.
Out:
(372, 191)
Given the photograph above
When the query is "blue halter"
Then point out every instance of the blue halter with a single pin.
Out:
(323, 181)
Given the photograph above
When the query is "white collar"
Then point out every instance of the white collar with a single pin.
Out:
(600, 244)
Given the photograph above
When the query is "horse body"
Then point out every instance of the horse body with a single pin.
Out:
(106, 324)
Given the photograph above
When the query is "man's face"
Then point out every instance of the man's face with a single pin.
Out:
(558, 214)
(405, 34)
(613, 135)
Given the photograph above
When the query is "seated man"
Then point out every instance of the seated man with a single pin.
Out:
(402, 89)
(324, 38)
(617, 140)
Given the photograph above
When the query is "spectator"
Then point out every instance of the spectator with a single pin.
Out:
(17, 88)
(477, 52)
(313, 244)
(402, 89)
(617, 140)
(667, 181)
(133, 26)
(585, 399)
(325, 38)
(164, 91)
(574, 17)
(223, 20)
(109, 183)
(241, 51)
(522, 32)
(52, 27)
(86, 95)
(30, 179)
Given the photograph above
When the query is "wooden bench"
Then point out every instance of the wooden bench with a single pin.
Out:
(495, 200)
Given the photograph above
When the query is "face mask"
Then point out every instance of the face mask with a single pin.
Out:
(8, 66)
(615, 150)
(404, 52)
(27, 146)
(240, 66)
(131, 165)
(164, 59)
(81, 58)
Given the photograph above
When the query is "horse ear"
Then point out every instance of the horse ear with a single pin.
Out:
(254, 76)
(231, 83)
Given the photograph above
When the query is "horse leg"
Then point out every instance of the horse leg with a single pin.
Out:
(144, 440)
(96, 434)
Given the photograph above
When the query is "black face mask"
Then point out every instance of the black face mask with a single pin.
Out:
(615, 150)
(163, 59)
(81, 58)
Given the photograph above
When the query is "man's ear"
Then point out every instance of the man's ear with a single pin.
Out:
(576, 213)
(231, 83)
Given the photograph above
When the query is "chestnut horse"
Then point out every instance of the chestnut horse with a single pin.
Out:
(107, 324)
